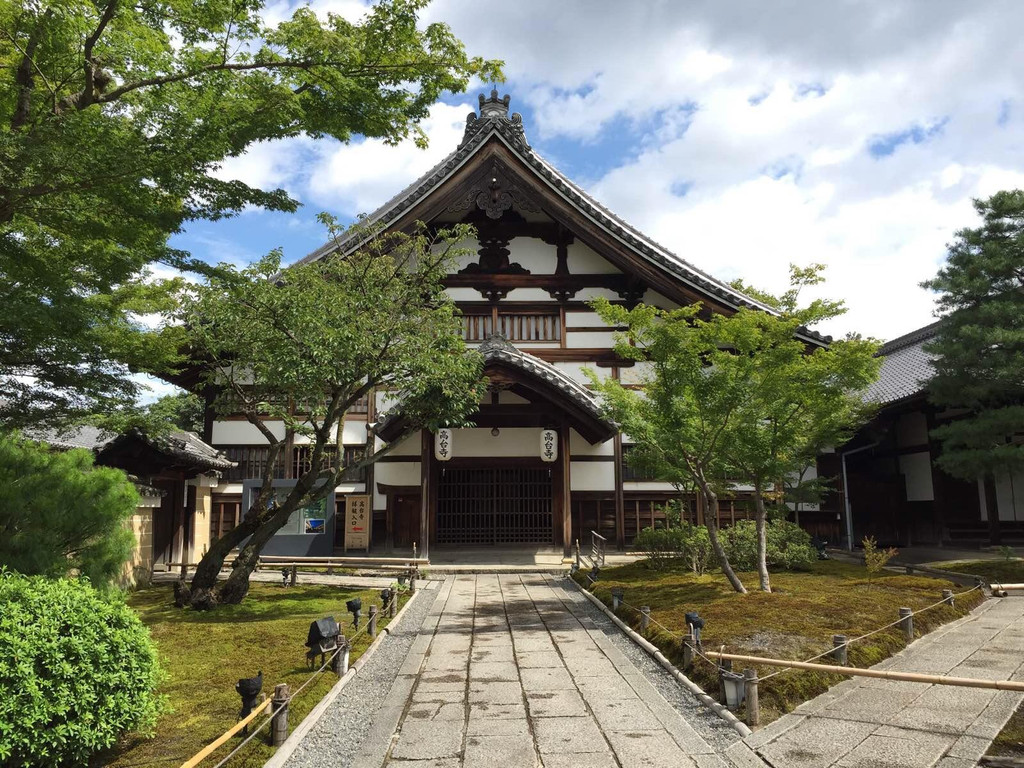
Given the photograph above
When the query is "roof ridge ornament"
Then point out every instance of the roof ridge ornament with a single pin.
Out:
(496, 342)
(494, 114)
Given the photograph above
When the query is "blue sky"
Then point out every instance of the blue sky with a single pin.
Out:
(743, 136)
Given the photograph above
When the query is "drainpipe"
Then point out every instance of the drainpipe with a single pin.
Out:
(846, 494)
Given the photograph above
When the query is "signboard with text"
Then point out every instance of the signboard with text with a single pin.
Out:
(357, 522)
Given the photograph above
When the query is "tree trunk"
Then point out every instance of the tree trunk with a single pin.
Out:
(209, 567)
(236, 587)
(761, 523)
(711, 522)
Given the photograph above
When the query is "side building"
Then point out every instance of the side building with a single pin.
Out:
(894, 490)
(541, 467)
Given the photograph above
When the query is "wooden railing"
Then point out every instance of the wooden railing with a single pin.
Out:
(514, 326)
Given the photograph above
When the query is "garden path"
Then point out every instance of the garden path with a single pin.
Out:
(872, 723)
(515, 670)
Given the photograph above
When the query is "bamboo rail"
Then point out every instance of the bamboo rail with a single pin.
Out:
(400, 561)
(910, 677)
(1007, 586)
(210, 748)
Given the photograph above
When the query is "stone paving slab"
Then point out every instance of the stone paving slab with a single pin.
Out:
(890, 724)
(511, 675)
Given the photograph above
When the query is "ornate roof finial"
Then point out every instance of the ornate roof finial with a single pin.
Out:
(494, 113)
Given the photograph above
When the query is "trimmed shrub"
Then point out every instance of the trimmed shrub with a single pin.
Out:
(687, 542)
(789, 546)
(77, 670)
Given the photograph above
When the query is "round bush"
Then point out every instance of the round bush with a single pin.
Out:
(77, 670)
(788, 546)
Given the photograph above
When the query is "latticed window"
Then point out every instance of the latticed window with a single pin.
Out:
(302, 459)
(629, 472)
(252, 461)
(224, 515)
(514, 326)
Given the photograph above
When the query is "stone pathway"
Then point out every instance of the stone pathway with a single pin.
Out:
(888, 724)
(506, 672)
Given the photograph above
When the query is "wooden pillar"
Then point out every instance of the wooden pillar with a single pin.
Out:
(995, 535)
(620, 499)
(426, 489)
(566, 490)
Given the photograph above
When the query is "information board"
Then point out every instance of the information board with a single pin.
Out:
(357, 522)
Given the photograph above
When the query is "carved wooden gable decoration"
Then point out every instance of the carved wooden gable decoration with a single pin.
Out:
(497, 182)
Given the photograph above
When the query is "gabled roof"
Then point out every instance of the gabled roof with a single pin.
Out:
(537, 375)
(906, 367)
(178, 444)
(495, 122)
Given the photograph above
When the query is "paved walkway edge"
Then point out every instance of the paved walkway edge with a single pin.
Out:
(280, 757)
(737, 725)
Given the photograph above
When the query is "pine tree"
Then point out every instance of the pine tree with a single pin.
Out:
(979, 349)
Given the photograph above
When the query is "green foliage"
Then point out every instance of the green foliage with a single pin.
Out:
(789, 546)
(60, 515)
(979, 347)
(875, 559)
(116, 119)
(305, 344)
(1007, 553)
(77, 671)
(685, 541)
(183, 410)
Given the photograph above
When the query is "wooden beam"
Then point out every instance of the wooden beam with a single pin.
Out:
(620, 498)
(426, 478)
(564, 460)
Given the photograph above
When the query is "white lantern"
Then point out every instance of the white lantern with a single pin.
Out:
(548, 445)
(443, 444)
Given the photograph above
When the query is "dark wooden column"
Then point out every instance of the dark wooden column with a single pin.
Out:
(995, 535)
(566, 489)
(426, 490)
(620, 498)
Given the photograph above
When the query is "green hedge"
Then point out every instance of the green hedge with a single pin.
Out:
(77, 670)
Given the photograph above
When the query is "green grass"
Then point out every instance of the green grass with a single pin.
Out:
(999, 571)
(1010, 741)
(795, 621)
(205, 654)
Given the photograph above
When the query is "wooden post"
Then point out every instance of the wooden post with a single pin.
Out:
(725, 665)
(339, 664)
(279, 723)
(426, 487)
(645, 617)
(620, 498)
(372, 630)
(393, 604)
(617, 594)
(907, 622)
(947, 596)
(839, 652)
(750, 691)
(565, 487)
(688, 650)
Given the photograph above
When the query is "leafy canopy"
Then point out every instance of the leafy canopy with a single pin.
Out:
(60, 515)
(979, 348)
(114, 120)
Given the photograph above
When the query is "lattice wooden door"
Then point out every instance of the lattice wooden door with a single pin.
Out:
(494, 506)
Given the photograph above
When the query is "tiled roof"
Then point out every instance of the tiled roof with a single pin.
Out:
(177, 443)
(494, 120)
(499, 348)
(906, 367)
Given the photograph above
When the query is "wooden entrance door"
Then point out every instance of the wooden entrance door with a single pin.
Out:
(495, 506)
(406, 519)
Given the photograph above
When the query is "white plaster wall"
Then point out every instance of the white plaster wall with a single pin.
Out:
(590, 339)
(575, 371)
(529, 294)
(244, 433)
(584, 318)
(510, 398)
(586, 294)
(811, 473)
(1010, 496)
(636, 373)
(592, 476)
(578, 446)
(408, 447)
(511, 441)
(463, 294)
(636, 485)
(534, 254)
(584, 260)
(353, 432)
(656, 299)
(393, 473)
(916, 469)
(912, 429)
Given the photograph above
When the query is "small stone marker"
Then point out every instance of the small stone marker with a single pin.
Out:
(724, 665)
(907, 622)
(393, 604)
(645, 617)
(839, 652)
(372, 630)
(294, 574)
(617, 595)
(279, 724)
(947, 596)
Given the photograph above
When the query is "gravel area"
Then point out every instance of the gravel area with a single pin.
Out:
(715, 731)
(335, 739)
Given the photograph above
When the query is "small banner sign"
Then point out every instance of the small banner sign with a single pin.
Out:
(357, 522)
(548, 445)
(443, 444)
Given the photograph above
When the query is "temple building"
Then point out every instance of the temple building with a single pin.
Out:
(541, 467)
